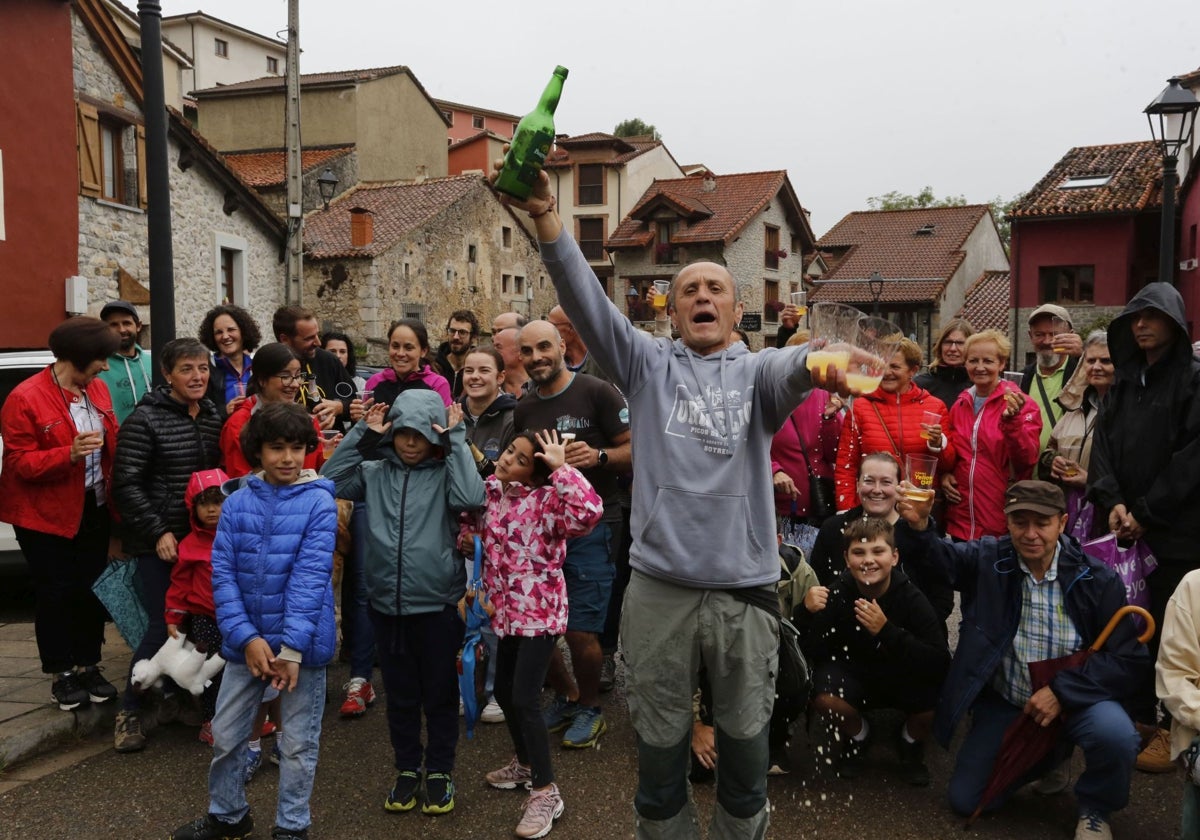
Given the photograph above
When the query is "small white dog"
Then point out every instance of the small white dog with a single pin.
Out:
(178, 659)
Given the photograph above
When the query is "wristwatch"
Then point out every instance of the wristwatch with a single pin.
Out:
(601, 458)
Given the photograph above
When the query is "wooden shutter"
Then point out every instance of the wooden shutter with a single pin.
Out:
(141, 166)
(88, 145)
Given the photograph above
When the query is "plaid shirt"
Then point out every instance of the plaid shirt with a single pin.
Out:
(1045, 631)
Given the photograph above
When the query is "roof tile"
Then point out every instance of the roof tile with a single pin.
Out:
(624, 149)
(859, 291)
(1135, 185)
(306, 79)
(269, 169)
(987, 304)
(398, 209)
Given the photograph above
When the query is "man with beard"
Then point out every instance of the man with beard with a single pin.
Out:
(329, 387)
(1058, 350)
(461, 331)
(595, 413)
(507, 342)
(129, 372)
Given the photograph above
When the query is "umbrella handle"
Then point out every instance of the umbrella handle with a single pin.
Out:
(1117, 616)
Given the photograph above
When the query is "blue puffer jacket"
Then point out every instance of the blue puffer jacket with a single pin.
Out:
(272, 567)
(412, 511)
(987, 573)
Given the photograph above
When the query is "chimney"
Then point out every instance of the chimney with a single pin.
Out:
(362, 227)
(710, 184)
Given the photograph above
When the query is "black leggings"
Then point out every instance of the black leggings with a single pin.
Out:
(521, 665)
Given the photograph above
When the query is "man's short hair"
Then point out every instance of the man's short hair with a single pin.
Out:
(868, 529)
(180, 348)
(82, 340)
(283, 322)
(464, 315)
(277, 421)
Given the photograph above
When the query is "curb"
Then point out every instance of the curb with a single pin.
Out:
(41, 730)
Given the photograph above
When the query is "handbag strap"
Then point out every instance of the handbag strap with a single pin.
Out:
(886, 431)
(1037, 377)
(800, 439)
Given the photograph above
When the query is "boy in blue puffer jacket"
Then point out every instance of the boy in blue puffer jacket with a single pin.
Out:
(412, 466)
(272, 566)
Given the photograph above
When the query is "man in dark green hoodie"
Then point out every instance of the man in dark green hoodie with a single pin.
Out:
(1145, 468)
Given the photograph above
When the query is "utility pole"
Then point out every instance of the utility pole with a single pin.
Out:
(158, 186)
(295, 186)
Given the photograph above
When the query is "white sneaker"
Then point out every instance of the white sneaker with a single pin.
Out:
(1093, 826)
(492, 713)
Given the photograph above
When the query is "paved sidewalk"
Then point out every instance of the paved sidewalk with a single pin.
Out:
(29, 722)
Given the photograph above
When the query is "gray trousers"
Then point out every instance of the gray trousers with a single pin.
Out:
(667, 631)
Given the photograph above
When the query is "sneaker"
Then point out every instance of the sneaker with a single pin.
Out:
(275, 756)
(403, 796)
(912, 762)
(69, 692)
(205, 735)
(1093, 826)
(511, 776)
(492, 713)
(127, 733)
(209, 827)
(253, 762)
(586, 728)
(1156, 757)
(608, 673)
(99, 689)
(439, 794)
(289, 834)
(359, 696)
(780, 764)
(559, 714)
(542, 808)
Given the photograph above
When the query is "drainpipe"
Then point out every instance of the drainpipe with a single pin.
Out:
(158, 186)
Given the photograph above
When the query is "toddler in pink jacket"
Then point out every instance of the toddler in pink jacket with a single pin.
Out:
(535, 502)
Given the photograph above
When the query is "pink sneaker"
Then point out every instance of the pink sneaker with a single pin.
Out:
(205, 735)
(359, 695)
(541, 810)
(510, 776)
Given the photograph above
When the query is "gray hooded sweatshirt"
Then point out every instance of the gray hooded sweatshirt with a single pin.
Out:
(703, 502)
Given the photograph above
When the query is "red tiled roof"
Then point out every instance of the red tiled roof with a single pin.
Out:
(1189, 79)
(987, 304)
(479, 135)
(624, 149)
(474, 109)
(735, 200)
(269, 168)
(337, 78)
(859, 291)
(1135, 184)
(397, 208)
(887, 241)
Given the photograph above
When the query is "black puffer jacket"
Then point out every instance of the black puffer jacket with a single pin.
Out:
(159, 447)
(945, 382)
(1146, 444)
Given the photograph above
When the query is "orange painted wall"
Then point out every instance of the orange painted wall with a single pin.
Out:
(40, 173)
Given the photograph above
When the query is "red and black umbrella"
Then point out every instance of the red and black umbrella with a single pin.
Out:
(1026, 742)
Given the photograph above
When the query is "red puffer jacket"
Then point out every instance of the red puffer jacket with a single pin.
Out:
(990, 453)
(42, 490)
(191, 576)
(883, 422)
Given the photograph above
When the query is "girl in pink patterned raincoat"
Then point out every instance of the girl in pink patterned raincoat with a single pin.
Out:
(535, 502)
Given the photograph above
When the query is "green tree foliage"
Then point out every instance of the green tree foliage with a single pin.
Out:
(925, 198)
(636, 128)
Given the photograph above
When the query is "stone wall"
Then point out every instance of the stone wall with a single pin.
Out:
(428, 275)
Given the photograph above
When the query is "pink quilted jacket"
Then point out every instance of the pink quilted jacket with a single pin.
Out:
(525, 532)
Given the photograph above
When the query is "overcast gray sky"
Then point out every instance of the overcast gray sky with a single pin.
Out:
(853, 99)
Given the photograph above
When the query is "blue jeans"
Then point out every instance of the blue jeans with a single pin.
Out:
(299, 738)
(356, 618)
(1103, 732)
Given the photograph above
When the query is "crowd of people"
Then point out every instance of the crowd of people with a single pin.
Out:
(671, 499)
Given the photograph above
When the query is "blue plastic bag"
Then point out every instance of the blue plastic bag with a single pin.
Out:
(473, 658)
(118, 590)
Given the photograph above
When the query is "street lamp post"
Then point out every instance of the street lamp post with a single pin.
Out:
(875, 284)
(1172, 118)
(327, 183)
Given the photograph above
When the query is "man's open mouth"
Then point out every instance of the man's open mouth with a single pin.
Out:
(703, 318)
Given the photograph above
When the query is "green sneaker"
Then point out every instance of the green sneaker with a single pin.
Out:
(403, 796)
(559, 714)
(585, 730)
(439, 794)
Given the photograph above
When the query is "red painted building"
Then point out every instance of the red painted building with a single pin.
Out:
(39, 178)
(1187, 255)
(467, 121)
(1086, 235)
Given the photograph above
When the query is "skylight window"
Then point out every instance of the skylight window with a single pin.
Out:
(1083, 182)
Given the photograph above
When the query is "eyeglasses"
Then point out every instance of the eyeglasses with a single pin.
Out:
(289, 378)
(458, 332)
(952, 343)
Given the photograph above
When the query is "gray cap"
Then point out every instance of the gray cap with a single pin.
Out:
(119, 306)
(1053, 310)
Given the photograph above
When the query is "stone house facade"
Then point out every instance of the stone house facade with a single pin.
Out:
(421, 250)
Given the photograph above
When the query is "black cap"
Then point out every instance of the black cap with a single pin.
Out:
(119, 306)
(1037, 496)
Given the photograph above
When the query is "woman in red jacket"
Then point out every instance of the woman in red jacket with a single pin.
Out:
(60, 435)
(995, 433)
(890, 419)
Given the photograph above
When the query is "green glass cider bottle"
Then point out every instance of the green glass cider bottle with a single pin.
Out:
(531, 142)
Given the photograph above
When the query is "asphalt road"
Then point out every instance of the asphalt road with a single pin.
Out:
(147, 794)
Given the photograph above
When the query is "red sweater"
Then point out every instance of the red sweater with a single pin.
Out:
(866, 430)
(231, 442)
(42, 490)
